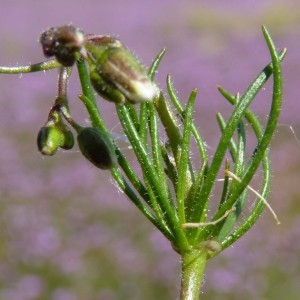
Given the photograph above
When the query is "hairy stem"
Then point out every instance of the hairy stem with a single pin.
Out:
(192, 268)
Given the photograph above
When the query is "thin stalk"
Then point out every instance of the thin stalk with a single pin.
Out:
(42, 66)
(85, 82)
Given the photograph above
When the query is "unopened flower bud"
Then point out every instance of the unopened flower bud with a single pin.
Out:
(108, 92)
(96, 146)
(64, 42)
(116, 74)
(49, 139)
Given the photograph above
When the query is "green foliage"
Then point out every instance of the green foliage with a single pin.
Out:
(172, 192)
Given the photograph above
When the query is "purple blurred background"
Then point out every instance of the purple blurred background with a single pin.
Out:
(66, 231)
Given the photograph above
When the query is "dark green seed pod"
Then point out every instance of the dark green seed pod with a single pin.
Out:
(96, 146)
(49, 139)
(63, 42)
(116, 72)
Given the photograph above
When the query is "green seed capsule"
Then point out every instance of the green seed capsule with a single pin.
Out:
(96, 146)
(68, 138)
(49, 139)
(116, 74)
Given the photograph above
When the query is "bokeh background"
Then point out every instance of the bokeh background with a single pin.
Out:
(66, 232)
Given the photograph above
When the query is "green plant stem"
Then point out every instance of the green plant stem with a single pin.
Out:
(85, 82)
(42, 66)
(192, 271)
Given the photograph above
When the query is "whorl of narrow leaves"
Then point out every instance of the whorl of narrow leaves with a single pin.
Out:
(173, 192)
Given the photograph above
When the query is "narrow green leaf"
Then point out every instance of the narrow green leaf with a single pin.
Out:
(225, 190)
(264, 141)
(184, 158)
(143, 129)
(194, 208)
(232, 124)
(170, 164)
(133, 114)
(170, 124)
(176, 102)
(156, 149)
(155, 64)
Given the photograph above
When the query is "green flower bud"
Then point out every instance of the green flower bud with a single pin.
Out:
(63, 42)
(116, 74)
(106, 91)
(96, 146)
(49, 139)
